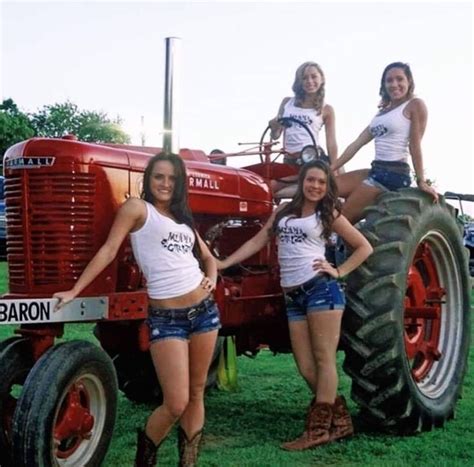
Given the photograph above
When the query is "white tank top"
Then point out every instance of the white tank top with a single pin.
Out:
(391, 132)
(299, 244)
(296, 137)
(163, 250)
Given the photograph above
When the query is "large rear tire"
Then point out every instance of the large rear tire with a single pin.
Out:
(66, 412)
(406, 330)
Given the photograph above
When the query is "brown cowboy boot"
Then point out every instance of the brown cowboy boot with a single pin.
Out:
(307, 420)
(318, 432)
(341, 426)
(188, 448)
(146, 451)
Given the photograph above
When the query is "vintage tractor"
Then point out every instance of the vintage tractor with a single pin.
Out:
(405, 332)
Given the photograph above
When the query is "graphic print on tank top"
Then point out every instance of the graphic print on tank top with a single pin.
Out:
(178, 241)
(291, 235)
(378, 130)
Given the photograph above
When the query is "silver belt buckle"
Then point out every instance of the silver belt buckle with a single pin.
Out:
(192, 313)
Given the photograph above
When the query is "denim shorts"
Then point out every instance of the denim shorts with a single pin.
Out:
(321, 293)
(389, 179)
(181, 323)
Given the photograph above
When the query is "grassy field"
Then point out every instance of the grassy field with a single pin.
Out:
(245, 427)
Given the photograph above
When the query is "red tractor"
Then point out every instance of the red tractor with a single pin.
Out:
(405, 330)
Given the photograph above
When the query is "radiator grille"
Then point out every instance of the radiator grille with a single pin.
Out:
(50, 220)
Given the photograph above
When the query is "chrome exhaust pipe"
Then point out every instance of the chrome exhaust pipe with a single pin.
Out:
(172, 79)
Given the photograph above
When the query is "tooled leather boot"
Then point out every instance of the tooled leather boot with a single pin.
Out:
(318, 430)
(188, 448)
(146, 451)
(341, 426)
(307, 420)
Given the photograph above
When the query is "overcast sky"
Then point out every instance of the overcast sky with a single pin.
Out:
(238, 63)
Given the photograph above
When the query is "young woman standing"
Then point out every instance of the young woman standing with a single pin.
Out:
(183, 318)
(314, 298)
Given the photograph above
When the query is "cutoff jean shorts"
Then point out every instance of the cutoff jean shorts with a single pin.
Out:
(321, 293)
(389, 176)
(181, 323)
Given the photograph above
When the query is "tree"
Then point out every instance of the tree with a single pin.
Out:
(15, 126)
(60, 119)
(97, 127)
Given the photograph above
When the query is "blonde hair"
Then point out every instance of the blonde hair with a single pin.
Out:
(318, 99)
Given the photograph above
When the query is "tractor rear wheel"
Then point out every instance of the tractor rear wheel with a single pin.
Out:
(66, 412)
(407, 326)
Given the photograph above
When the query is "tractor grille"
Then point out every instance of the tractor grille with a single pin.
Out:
(50, 220)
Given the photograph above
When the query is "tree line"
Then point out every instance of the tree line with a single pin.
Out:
(55, 121)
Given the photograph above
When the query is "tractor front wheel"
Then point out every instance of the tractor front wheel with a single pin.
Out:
(66, 412)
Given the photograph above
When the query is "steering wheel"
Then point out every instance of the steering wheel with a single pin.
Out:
(308, 153)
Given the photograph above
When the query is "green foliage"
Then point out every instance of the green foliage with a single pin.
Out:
(60, 119)
(55, 121)
(465, 218)
(14, 125)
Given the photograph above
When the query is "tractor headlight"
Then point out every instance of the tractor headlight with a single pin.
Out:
(309, 153)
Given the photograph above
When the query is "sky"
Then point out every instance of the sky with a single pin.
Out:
(238, 61)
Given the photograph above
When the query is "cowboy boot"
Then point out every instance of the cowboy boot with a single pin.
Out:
(188, 448)
(341, 426)
(318, 431)
(306, 423)
(146, 451)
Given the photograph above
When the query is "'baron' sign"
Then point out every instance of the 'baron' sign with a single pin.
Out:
(24, 312)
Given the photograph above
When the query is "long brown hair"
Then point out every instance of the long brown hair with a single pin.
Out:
(318, 100)
(325, 208)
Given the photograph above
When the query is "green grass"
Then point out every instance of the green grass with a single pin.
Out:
(245, 427)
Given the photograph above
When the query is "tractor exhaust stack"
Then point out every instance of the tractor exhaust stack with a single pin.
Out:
(172, 78)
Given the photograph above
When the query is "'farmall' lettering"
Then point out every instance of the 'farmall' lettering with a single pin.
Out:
(11, 312)
(199, 182)
(29, 162)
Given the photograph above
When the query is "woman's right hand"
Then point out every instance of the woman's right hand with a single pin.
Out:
(423, 185)
(64, 298)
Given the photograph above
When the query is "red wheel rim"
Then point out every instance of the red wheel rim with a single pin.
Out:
(422, 317)
(74, 421)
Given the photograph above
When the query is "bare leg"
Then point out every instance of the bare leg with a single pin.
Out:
(282, 184)
(288, 191)
(350, 181)
(201, 349)
(302, 352)
(325, 329)
(170, 358)
(358, 200)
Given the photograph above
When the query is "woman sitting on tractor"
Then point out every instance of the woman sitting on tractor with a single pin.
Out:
(397, 130)
(308, 107)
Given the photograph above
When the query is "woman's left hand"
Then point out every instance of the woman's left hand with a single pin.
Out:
(324, 266)
(429, 189)
(208, 284)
